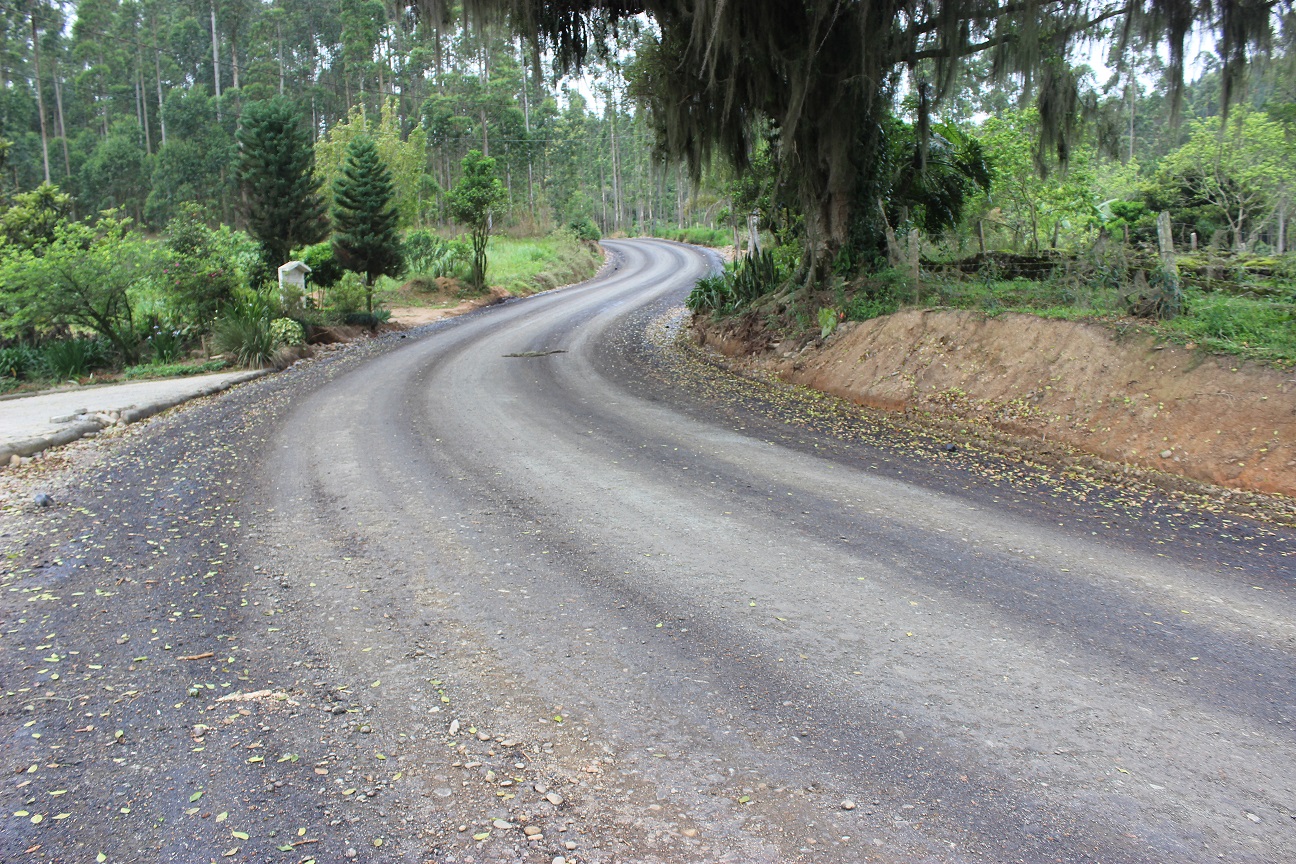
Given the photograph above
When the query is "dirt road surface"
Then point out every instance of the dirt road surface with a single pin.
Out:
(539, 583)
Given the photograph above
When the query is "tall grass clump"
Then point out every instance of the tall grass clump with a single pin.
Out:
(739, 285)
(243, 331)
(67, 359)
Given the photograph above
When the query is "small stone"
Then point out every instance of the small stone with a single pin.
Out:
(502, 824)
(558, 859)
(569, 845)
(365, 730)
(1253, 817)
(15, 460)
(508, 742)
(542, 788)
(848, 805)
(339, 710)
(351, 852)
(532, 830)
(554, 798)
(483, 736)
(42, 499)
(951, 448)
(454, 728)
(1166, 454)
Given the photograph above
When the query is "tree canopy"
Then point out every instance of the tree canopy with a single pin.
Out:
(825, 73)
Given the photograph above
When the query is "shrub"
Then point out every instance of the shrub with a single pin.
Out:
(348, 295)
(165, 342)
(585, 229)
(72, 358)
(200, 273)
(710, 294)
(19, 362)
(426, 254)
(740, 284)
(368, 319)
(286, 331)
(827, 321)
(243, 331)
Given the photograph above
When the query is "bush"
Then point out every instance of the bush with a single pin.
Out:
(878, 295)
(426, 254)
(740, 284)
(19, 362)
(72, 358)
(347, 296)
(199, 273)
(368, 319)
(585, 229)
(325, 269)
(286, 331)
(244, 332)
(828, 317)
(166, 343)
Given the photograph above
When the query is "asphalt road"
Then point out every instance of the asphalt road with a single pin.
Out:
(537, 583)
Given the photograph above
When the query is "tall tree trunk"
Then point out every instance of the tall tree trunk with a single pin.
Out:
(1133, 93)
(279, 38)
(40, 100)
(1281, 246)
(62, 126)
(143, 100)
(616, 176)
(216, 76)
(157, 71)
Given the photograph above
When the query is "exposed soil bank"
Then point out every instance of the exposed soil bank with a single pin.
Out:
(1132, 400)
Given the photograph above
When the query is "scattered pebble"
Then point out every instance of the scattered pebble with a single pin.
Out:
(848, 805)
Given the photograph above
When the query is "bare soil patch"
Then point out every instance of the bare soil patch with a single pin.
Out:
(1128, 399)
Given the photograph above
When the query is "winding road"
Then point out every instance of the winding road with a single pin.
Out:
(572, 582)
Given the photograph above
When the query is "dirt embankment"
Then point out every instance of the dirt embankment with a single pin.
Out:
(1211, 418)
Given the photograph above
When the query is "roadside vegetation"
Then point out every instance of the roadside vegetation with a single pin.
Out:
(149, 190)
(1079, 245)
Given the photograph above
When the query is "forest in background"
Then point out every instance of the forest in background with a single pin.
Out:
(134, 107)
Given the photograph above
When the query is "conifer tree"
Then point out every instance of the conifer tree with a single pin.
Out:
(364, 216)
(276, 167)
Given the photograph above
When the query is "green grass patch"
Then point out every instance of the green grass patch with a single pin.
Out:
(1247, 327)
(1255, 328)
(173, 370)
(529, 265)
(698, 235)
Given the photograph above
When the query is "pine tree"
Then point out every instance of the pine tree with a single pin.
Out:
(276, 167)
(364, 216)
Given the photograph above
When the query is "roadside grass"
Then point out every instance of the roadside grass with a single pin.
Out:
(697, 235)
(146, 371)
(519, 265)
(529, 265)
(1260, 328)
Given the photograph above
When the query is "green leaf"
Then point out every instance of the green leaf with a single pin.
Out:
(195, 796)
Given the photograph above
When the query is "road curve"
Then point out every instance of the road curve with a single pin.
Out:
(764, 644)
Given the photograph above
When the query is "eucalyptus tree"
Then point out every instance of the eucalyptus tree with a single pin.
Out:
(825, 73)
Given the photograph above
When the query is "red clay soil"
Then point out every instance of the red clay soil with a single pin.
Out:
(1132, 400)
